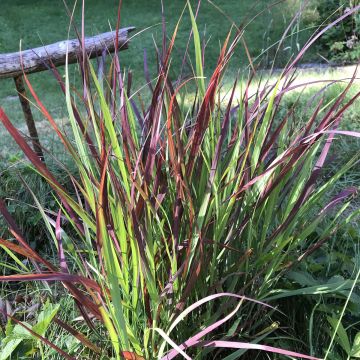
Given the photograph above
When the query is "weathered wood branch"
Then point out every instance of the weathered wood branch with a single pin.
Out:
(38, 59)
(30, 123)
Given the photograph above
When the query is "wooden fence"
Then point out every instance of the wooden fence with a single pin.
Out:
(14, 65)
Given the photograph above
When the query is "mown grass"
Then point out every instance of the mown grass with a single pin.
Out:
(20, 21)
(41, 22)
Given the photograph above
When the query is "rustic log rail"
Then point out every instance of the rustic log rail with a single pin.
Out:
(14, 65)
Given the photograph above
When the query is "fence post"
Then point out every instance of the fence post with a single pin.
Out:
(30, 123)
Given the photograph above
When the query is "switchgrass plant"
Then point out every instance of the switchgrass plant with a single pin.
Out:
(182, 221)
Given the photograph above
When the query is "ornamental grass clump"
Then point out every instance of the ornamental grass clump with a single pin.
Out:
(182, 217)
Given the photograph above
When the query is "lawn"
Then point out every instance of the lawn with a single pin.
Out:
(39, 22)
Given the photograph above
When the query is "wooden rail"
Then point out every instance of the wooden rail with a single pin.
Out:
(38, 59)
(14, 65)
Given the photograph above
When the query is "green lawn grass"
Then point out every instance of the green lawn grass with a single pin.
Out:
(39, 22)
